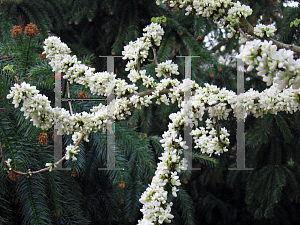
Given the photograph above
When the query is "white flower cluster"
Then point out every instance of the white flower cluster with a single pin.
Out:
(166, 68)
(208, 8)
(215, 99)
(148, 81)
(216, 9)
(53, 46)
(135, 75)
(154, 199)
(81, 122)
(271, 100)
(137, 51)
(38, 107)
(75, 71)
(35, 105)
(71, 151)
(261, 30)
(101, 83)
(51, 165)
(234, 15)
(238, 11)
(210, 144)
(120, 108)
(275, 66)
(138, 101)
(247, 103)
(21, 92)
(154, 33)
(8, 161)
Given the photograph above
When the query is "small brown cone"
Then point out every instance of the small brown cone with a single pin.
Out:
(42, 56)
(82, 95)
(13, 176)
(122, 185)
(31, 30)
(56, 214)
(16, 31)
(43, 138)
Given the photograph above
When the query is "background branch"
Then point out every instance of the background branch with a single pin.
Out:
(248, 28)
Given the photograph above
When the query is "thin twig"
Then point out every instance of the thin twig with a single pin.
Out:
(218, 132)
(18, 81)
(138, 65)
(155, 55)
(38, 171)
(148, 92)
(242, 32)
(2, 157)
(167, 75)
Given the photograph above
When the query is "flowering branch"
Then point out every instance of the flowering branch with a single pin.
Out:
(156, 209)
(38, 171)
(250, 30)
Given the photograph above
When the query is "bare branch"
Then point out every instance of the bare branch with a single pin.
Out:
(155, 55)
(218, 132)
(38, 171)
(18, 81)
(242, 32)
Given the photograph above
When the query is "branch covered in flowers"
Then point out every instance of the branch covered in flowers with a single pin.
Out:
(230, 15)
(283, 95)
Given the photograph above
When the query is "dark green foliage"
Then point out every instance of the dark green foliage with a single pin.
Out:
(48, 15)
